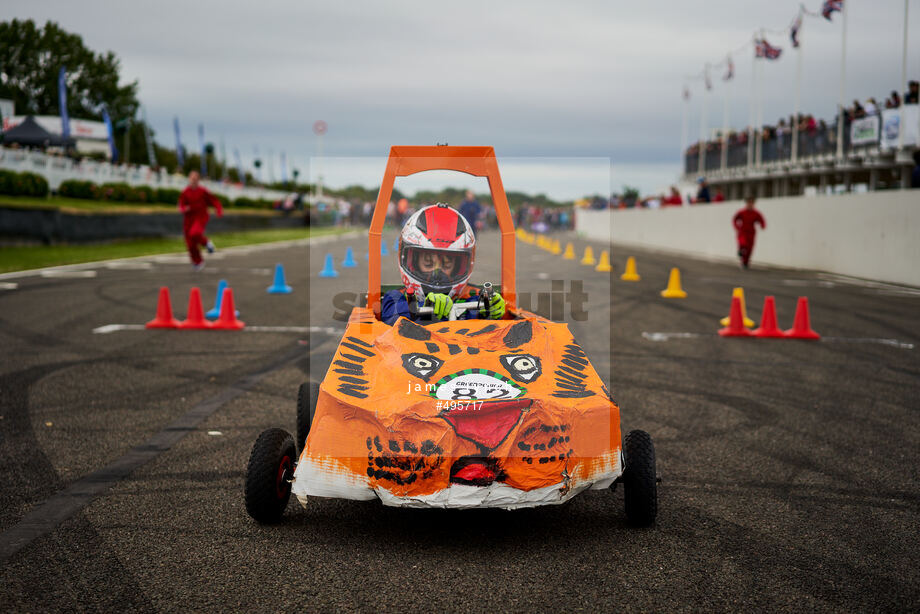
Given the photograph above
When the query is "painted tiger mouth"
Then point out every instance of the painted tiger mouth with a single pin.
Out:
(488, 423)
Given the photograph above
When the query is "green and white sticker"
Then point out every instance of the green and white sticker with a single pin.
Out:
(476, 384)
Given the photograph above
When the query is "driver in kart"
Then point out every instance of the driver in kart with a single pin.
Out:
(436, 252)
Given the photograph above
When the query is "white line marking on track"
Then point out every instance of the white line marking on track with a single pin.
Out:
(666, 336)
(69, 274)
(904, 345)
(325, 330)
(129, 265)
(8, 285)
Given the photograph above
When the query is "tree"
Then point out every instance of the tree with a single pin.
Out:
(32, 59)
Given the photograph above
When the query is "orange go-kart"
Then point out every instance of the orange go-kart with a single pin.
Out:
(455, 414)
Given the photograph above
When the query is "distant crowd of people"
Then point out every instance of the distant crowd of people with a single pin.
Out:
(342, 212)
(816, 136)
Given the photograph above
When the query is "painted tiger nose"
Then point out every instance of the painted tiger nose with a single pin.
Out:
(486, 424)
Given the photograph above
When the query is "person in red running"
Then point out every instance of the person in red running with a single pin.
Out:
(745, 222)
(193, 203)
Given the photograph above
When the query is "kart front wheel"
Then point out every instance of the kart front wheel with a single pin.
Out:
(306, 407)
(271, 467)
(640, 485)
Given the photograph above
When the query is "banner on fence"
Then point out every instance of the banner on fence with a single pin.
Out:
(864, 131)
(906, 118)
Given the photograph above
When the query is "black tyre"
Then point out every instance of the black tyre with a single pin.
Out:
(306, 407)
(640, 485)
(271, 466)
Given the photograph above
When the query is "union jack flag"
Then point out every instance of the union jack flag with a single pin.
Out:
(830, 6)
(763, 49)
(794, 30)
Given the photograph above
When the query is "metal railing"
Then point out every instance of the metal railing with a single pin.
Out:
(57, 169)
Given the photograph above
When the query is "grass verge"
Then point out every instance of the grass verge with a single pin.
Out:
(20, 258)
(79, 205)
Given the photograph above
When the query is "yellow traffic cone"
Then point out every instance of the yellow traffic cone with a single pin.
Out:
(603, 264)
(674, 290)
(555, 249)
(589, 257)
(630, 273)
(569, 253)
(748, 322)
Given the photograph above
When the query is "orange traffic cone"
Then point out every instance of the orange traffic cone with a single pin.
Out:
(768, 326)
(630, 273)
(555, 249)
(195, 315)
(735, 326)
(801, 327)
(569, 253)
(674, 290)
(603, 265)
(588, 258)
(227, 319)
(164, 317)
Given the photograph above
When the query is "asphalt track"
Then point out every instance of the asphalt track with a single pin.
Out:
(790, 468)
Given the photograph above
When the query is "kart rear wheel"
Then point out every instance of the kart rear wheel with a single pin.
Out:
(306, 407)
(271, 466)
(640, 485)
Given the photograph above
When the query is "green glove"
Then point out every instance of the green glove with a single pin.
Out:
(442, 304)
(496, 309)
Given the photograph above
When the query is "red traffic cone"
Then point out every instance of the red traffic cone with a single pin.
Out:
(801, 327)
(164, 317)
(735, 326)
(227, 319)
(768, 326)
(195, 315)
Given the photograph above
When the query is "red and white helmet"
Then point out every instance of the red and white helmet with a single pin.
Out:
(436, 252)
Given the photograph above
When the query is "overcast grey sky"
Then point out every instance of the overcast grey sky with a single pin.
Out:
(543, 79)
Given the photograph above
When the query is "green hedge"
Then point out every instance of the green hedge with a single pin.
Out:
(22, 184)
(74, 188)
(168, 196)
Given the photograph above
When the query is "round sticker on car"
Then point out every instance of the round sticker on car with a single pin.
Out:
(476, 384)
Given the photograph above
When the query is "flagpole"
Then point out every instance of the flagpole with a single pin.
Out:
(685, 129)
(843, 81)
(703, 113)
(725, 124)
(798, 100)
(760, 91)
(903, 82)
(750, 148)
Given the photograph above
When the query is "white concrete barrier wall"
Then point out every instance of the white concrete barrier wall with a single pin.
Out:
(874, 235)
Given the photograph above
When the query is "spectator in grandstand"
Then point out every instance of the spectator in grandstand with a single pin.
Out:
(913, 92)
(702, 193)
(673, 199)
(915, 176)
(470, 209)
(745, 223)
(193, 203)
(871, 107)
(857, 112)
(719, 197)
(893, 101)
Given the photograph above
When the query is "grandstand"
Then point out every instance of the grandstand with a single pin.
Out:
(876, 153)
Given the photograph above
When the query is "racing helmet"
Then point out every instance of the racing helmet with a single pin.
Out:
(436, 252)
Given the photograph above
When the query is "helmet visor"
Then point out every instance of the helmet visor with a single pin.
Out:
(437, 267)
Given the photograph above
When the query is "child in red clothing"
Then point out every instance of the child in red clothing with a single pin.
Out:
(193, 203)
(745, 222)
